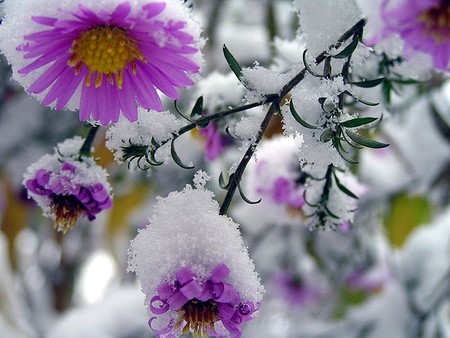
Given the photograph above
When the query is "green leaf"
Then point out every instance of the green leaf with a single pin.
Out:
(298, 118)
(245, 197)
(308, 67)
(152, 160)
(326, 136)
(405, 215)
(358, 122)
(232, 62)
(347, 51)
(343, 188)
(404, 81)
(365, 141)
(175, 103)
(198, 107)
(222, 182)
(367, 103)
(176, 158)
(337, 144)
(228, 132)
(387, 88)
(368, 83)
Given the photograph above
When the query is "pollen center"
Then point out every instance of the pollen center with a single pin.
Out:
(199, 317)
(67, 211)
(437, 21)
(106, 51)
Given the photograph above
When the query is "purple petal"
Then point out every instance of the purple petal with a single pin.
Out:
(44, 20)
(70, 88)
(177, 300)
(165, 291)
(225, 294)
(157, 306)
(160, 81)
(191, 289)
(219, 273)
(162, 331)
(86, 102)
(154, 9)
(121, 12)
(127, 101)
(145, 92)
(184, 275)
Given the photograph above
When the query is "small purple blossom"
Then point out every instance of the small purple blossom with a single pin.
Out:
(293, 290)
(206, 308)
(67, 187)
(213, 141)
(424, 26)
(109, 62)
(284, 191)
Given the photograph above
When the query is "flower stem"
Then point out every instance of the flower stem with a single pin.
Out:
(235, 179)
(208, 118)
(87, 145)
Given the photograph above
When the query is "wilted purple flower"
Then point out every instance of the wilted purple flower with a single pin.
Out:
(201, 305)
(103, 59)
(194, 268)
(67, 189)
(292, 289)
(213, 141)
(424, 26)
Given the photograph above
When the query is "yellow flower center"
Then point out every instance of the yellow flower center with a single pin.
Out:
(437, 21)
(67, 211)
(199, 317)
(107, 51)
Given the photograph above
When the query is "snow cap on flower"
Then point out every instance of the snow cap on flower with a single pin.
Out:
(129, 140)
(194, 268)
(67, 187)
(101, 57)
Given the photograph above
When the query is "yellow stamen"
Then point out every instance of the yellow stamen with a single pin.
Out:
(67, 211)
(199, 317)
(437, 22)
(107, 51)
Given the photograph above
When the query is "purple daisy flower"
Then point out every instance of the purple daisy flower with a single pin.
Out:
(200, 306)
(424, 25)
(67, 189)
(102, 58)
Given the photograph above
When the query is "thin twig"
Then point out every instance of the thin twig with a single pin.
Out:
(208, 118)
(87, 145)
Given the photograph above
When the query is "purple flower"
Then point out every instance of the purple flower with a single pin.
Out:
(204, 308)
(424, 25)
(213, 141)
(67, 188)
(104, 62)
(294, 290)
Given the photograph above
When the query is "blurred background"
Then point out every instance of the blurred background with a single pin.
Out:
(386, 276)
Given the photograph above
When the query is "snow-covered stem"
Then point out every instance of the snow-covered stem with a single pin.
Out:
(203, 121)
(275, 107)
(322, 56)
(235, 179)
(87, 145)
